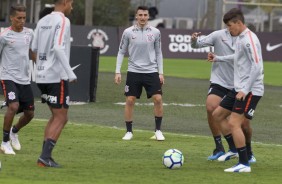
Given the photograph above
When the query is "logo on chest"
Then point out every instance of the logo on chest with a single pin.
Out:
(150, 37)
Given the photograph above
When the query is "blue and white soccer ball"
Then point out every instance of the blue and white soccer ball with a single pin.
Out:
(173, 159)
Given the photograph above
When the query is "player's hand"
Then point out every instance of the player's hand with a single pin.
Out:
(195, 35)
(240, 96)
(211, 57)
(161, 76)
(117, 78)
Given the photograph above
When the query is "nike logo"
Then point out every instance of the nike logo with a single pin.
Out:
(73, 68)
(270, 48)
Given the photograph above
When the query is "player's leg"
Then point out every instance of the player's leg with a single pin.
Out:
(12, 98)
(128, 116)
(246, 126)
(132, 90)
(53, 132)
(214, 97)
(221, 114)
(248, 131)
(212, 103)
(7, 124)
(153, 89)
(242, 110)
(158, 113)
(26, 101)
(236, 120)
(58, 99)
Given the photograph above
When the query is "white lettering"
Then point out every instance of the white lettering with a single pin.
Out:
(182, 43)
(32, 71)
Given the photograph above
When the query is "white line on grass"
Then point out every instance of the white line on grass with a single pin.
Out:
(168, 133)
(164, 104)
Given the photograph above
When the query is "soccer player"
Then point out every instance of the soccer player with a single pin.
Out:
(240, 103)
(52, 45)
(145, 69)
(15, 43)
(222, 81)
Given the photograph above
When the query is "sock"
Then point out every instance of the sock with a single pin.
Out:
(158, 121)
(128, 126)
(47, 148)
(243, 157)
(43, 145)
(230, 142)
(6, 136)
(218, 143)
(249, 149)
(15, 130)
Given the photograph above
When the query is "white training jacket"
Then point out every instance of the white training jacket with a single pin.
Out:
(52, 45)
(144, 48)
(248, 64)
(14, 55)
(222, 73)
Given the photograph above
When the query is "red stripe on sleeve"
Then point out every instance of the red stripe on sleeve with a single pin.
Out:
(254, 48)
(63, 30)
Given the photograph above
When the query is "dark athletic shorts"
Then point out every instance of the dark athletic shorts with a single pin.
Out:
(247, 106)
(55, 94)
(136, 81)
(217, 90)
(15, 92)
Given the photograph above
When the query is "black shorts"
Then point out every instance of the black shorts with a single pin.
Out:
(247, 106)
(217, 90)
(136, 81)
(15, 92)
(55, 94)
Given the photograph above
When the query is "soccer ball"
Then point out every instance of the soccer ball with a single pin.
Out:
(173, 159)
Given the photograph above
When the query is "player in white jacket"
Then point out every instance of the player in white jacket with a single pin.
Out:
(241, 102)
(52, 45)
(145, 69)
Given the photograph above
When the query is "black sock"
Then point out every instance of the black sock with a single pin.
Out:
(47, 148)
(158, 121)
(14, 129)
(243, 157)
(218, 143)
(230, 142)
(128, 126)
(43, 145)
(6, 136)
(249, 150)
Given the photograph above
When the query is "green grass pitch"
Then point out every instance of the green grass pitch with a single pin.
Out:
(90, 148)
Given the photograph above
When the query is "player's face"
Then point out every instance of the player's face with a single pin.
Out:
(234, 28)
(142, 17)
(18, 21)
(68, 7)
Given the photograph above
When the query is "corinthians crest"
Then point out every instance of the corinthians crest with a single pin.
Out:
(99, 39)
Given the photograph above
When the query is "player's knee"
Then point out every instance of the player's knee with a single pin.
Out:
(157, 99)
(211, 107)
(29, 114)
(130, 101)
(13, 107)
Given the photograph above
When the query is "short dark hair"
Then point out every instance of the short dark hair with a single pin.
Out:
(142, 8)
(17, 7)
(48, 8)
(234, 15)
